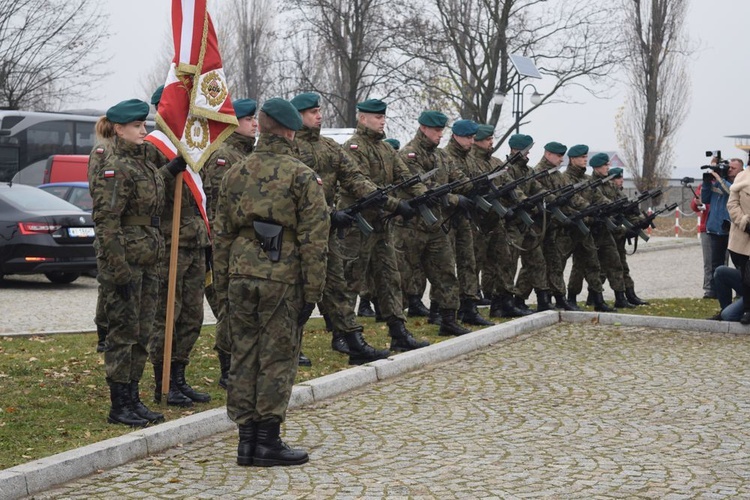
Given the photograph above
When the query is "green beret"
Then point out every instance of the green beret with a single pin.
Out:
(483, 132)
(156, 96)
(465, 128)
(599, 159)
(244, 107)
(617, 171)
(393, 142)
(433, 119)
(375, 106)
(307, 100)
(520, 141)
(556, 147)
(283, 112)
(128, 111)
(578, 150)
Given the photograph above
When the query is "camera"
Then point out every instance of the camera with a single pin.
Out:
(686, 181)
(721, 167)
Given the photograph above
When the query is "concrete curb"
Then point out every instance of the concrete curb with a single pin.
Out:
(661, 322)
(46, 473)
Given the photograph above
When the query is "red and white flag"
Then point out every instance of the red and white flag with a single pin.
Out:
(195, 111)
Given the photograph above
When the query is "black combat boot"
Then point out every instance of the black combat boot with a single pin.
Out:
(246, 446)
(121, 411)
(378, 317)
(364, 310)
(270, 450)
(508, 308)
(496, 306)
(590, 298)
(542, 301)
(622, 301)
(101, 333)
(303, 360)
(140, 409)
(471, 314)
(434, 317)
(448, 325)
(402, 339)
(520, 303)
(561, 303)
(483, 301)
(573, 300)
(329, 323)
(633, 298)
(174, 396)
(417, 308)
(225, 363)
(338, 343)
(178, 374)
(599, 304)
(361, 352)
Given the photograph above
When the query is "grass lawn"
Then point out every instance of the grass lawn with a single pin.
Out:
(54, 397)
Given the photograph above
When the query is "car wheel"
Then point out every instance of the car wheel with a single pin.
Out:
(62, 278)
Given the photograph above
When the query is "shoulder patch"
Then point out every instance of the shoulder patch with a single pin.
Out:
(99, 151)
(353, 146)
(221, 162)
(318, 180)
(411, 155)
(108, 173)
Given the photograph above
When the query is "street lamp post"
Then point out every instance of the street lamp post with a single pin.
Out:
(518, 93)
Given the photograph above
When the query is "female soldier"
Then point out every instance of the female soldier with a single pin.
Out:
(128, 195)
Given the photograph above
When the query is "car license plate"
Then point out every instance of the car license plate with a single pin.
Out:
(81, 232)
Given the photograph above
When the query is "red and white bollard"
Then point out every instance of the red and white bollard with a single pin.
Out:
(677, 223)
(648, 229)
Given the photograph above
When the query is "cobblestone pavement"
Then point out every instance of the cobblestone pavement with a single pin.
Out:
(33, 304)
(572, 411)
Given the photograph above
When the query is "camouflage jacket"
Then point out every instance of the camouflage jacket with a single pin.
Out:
(421, 155)
(193, 230)
(236, 148)
(521, 169)
(328, 159)
(481, 161)
(126, 185)
(574, 175)
(380, 163)
(271, 185)
(557, 180)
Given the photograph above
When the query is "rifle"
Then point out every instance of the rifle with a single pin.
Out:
(646, 195)
(564, 196)
(601, 211)
(377, 197)
(649, 219)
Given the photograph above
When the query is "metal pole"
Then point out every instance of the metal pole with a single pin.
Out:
(518, 101)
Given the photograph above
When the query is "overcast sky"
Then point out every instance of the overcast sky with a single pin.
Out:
(718, 69)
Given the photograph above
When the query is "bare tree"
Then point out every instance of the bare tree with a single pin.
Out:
(659, 87)
(49, 51)
(248, 37)
(340, 51)
(461, 50)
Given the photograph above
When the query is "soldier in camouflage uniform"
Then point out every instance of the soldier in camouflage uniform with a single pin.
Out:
(609, 259)
(491, 242)
(128, 197)
(234, 149)
(336, 168)
(525, 242)
(189, 286)
(461, 236)
(426, 247)
(382, 165)
(572, 242)
(271, 232)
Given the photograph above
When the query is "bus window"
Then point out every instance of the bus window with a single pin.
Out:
(84, 138)
(49, 138)
(8, 162)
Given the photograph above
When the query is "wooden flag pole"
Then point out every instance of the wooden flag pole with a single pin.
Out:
(171, 286)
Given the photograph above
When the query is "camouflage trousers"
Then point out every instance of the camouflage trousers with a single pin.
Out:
(499, 263)
(188, 307)
(222, 342)
(553, 259)
(430, 255)
(627, 279)
(378, 250)
(609, 261)
(573, 243)
(533, 273)
(462, 242)
(338, 295)
(262, 317)
(130, 322)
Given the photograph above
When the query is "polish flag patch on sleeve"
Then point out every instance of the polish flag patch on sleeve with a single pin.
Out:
(109, 173)
(99, 151)
(221, 162)
(411, 155)
(319, 180)
(353, 146)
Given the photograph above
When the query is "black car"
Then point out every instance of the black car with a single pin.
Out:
(40, 233)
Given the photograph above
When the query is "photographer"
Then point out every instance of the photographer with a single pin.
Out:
(715, 191)
(703, 210)
(738, 208)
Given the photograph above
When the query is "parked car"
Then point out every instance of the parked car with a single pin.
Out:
(76, 193)
(55, 168)
(42, 234)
